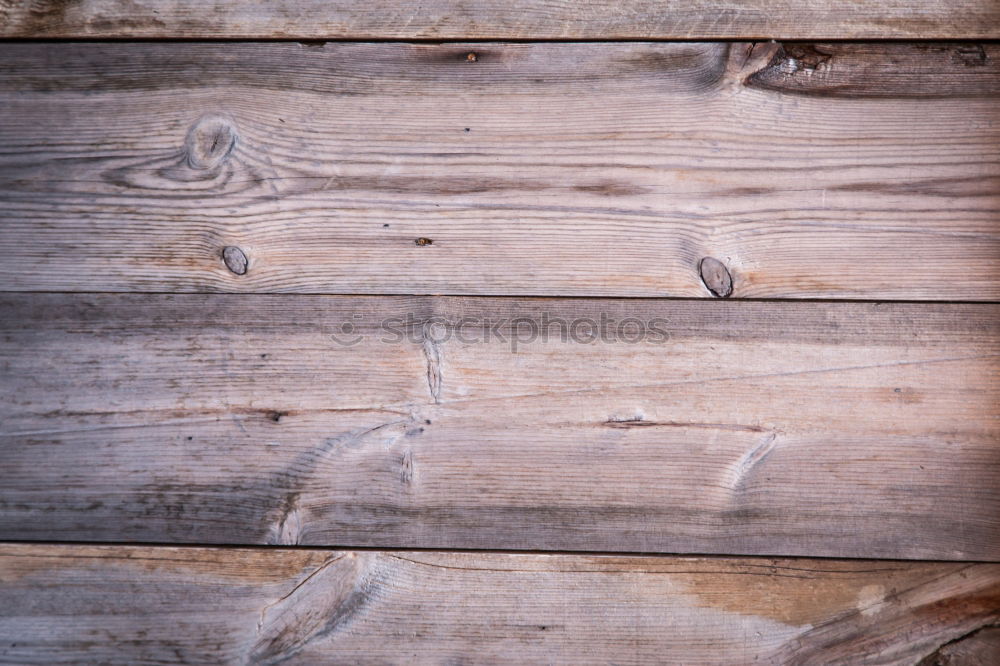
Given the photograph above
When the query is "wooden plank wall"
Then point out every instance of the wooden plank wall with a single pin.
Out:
(500, 332)
(504, 19)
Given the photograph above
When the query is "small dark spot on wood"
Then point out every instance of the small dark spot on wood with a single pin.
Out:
(716, 277)
(423, 241)
(542, 627)
(427, 421)
(896, 390)
(276, 416)
(471, 56)
(385, 226)
(190, 438)
(236, 259)
(468, 129)
(263, 355)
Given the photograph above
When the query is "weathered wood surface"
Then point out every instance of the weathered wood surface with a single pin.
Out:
(865, 171)
(504, 19)
(979, 648)
(782, 428)
(132, 605)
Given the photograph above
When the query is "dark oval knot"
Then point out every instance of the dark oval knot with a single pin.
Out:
(236, 259)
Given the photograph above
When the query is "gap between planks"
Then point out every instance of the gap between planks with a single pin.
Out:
(274, 548)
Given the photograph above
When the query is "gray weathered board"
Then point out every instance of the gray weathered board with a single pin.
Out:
(332, 260)
(129, 605)
(860, 171)
(504, 19)
(788, 428)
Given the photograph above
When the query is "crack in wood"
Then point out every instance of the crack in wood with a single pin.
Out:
(322, 603)
(263, 612)
(432, 352)
(939, 656)
(639, 422)
(288, 528)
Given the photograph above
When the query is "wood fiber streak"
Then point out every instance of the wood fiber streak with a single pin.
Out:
(129, 605)
(808, 170)
(771, 428)
(504, 19)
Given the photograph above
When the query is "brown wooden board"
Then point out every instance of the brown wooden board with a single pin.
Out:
(785, 428)
(504, 19)
(842, 170)
(127, 605)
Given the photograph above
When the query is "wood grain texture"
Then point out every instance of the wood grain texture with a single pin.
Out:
(860, 171)
(504, 19)
(141, 605)
(784, 428)
(978, 648)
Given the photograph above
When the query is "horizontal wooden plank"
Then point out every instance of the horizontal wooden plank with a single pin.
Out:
(779, 428)
(508, 19)
(842, 170)
(128, 605)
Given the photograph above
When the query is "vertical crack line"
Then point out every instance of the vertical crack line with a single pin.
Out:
(432, 350)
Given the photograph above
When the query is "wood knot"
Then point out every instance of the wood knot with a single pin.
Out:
(424, 241)
(209, 142)
(236, 259)
(716, 277)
